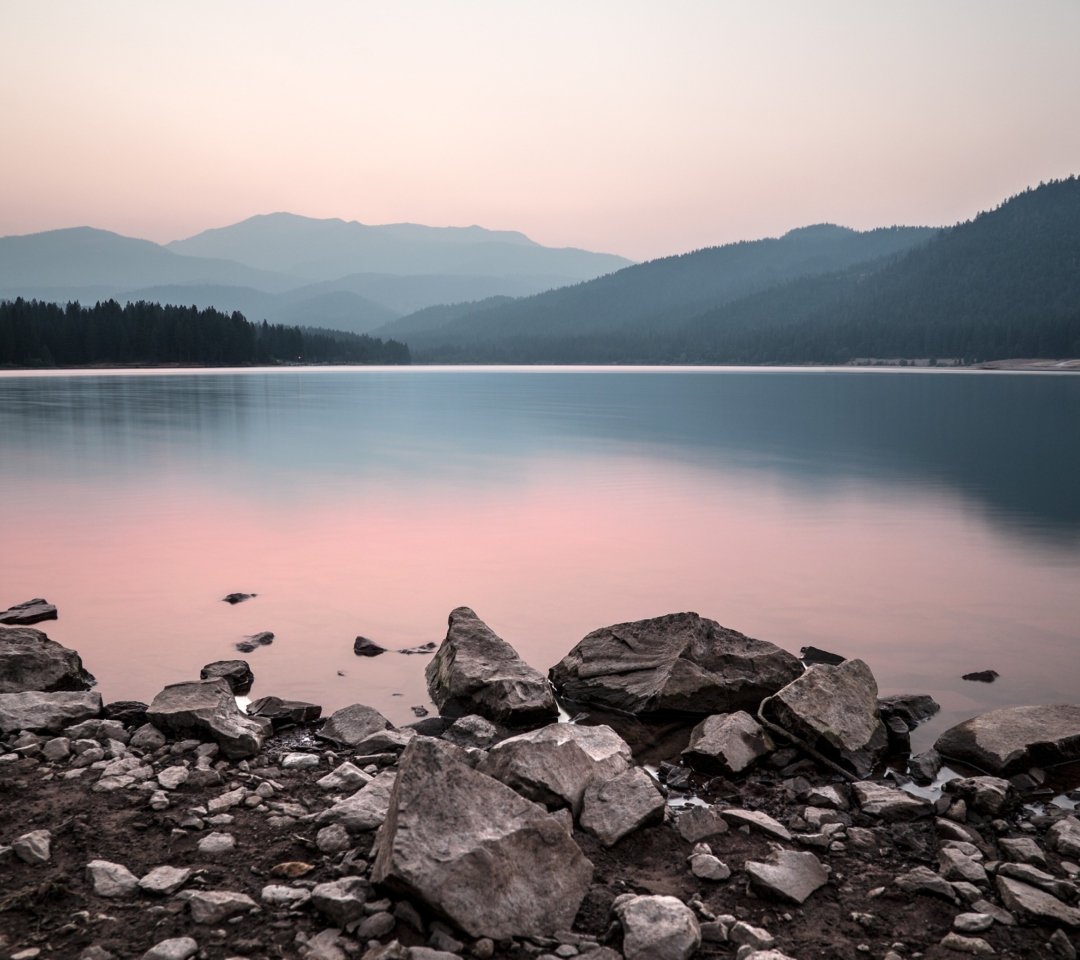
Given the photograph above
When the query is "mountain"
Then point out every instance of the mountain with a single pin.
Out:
(328, 249)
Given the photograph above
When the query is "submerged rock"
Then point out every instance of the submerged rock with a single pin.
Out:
(475, 671)
(680, 663)
(28, 612)
(1007, 741)
(207, 709)
(236, 672)
(354, 724)
(363, 647)
(282, 713)
(46, 712)
(234, 598)
(982, 676)
(29, 660)
(727, 743)
(473, 850)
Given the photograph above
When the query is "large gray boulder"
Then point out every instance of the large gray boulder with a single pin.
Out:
(46, 712)
(207, 709)
(29, 611)
(554, 765)
(680, 663)
(475, 671)
(1008, 741)
(727, 743)
(473, 850)
(657, 928)
(835, 710)
(354, 724)
(29, 660)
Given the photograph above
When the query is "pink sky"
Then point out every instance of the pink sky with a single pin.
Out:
(640, 129)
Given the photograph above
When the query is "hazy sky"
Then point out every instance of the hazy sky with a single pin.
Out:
(634, 128)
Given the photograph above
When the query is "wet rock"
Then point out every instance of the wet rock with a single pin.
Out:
(352, 725)
(982, 676)
(236, 672)
(28, 612)
(658, 928)
(165, 881)
(834, 709)
(924, 767)
(812, 655)
(176, 948)
(282, 713)
(364, 810)
(208, 710)
(787, 874)
(1064, 837)
(46, 712)
(727, 743)
(615, 808)
(234, 598)
(494, 863)
(756, 820)
(912, 708)
(363, 647)
(111, 879)
(471, 731)
(1007, 741)
(890, 804)
(1032, 903)
(131, 713)
(29, 660)
(700, 823)
(953, 941)
(341, 901)
(555, 764)
(475, 671)
(680, 663)
(344, 778)
(924, 880)
(991, 796)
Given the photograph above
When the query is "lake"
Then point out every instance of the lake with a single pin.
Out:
(925, 521)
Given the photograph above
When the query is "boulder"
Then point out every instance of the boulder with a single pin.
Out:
(1007, 741)
(29, 660)
(615, 808)
(354, 724)
(282, 713)
(473, 850)
(46, 712)
(365, 809)
(834, 709)
(680, 663)
(28, 612)
(236, 672)
(111, 879)
(554, 765)
(879, 800)
(207, 710)
(1034, 904)
(1026, 873)
(727, 743)
(787, 875)
(658, 928)
(475, 671)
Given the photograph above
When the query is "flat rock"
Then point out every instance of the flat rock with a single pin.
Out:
(700, 823)
(207, 710)
(1034, 904)
(972, 922)
(213, 906)
(954, 941)
(727, 743)
(1023, 850)
(175, 948)
(555, 764)
(354, 724)
(787, 874)
(282, 713)
(658, 928)
(364, 810)
(46, 712)
(756, 820)
(1007, 741)
(889, 803)
(834, 709)
(29, 660)
(236, 672)
(924, 880)
(1026, 873)
(165, 881)
(385, 741)
(476, 671)
(28, 612)
(680, 663)
(342, 901)
(495, 864)
(615, 808)
(111, 879)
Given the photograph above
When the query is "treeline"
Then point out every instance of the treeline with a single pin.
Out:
(39, 334)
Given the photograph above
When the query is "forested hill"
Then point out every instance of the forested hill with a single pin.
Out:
(38, 334)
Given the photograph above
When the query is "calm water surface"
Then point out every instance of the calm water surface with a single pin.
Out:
(928, 522)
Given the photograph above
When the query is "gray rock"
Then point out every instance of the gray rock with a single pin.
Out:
(276, 895)
(495, 864)
(658, 928)
(165, 881)
(756, 820)
(705, 866)
(953, 941)
(363, 647)
(173, 777)
(1007, 741)
(46, 712)
(1023, 850)
(991, 796)
(475, 671)
(147, 737)
(111, 879)
(57, 749)
(429, 953)
(972, 922)
(216, 844)
(213, 906)
(878, 800)
(747, 934)
(34, 847)
(385, 741)
(1026, 873)
(1062, 946)
(471, 731)
(776, 955)
(25, 613)
(333, 839)
(555, 764)
(924, 880)
(1064, 837)
(787, 874)
(364, 810)
(176, 948)
(236, 672)
(344, 778)
(342, 901)
(727, 743)
(376, 926)
(354, 724)
(614, 808)
(956, 866)
(700, 823)
(1000, 915)
(207, 709)
(912, 708)
(1034, 904)
(299, 761)
(924, 767)
(282, 713)
(834, 709)
(29, 660)
(680, 663)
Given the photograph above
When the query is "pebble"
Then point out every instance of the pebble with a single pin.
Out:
(178, 948)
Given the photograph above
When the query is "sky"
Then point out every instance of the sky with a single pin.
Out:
(642, 129)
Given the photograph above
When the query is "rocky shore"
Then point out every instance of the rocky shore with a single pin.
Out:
(711, 796)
